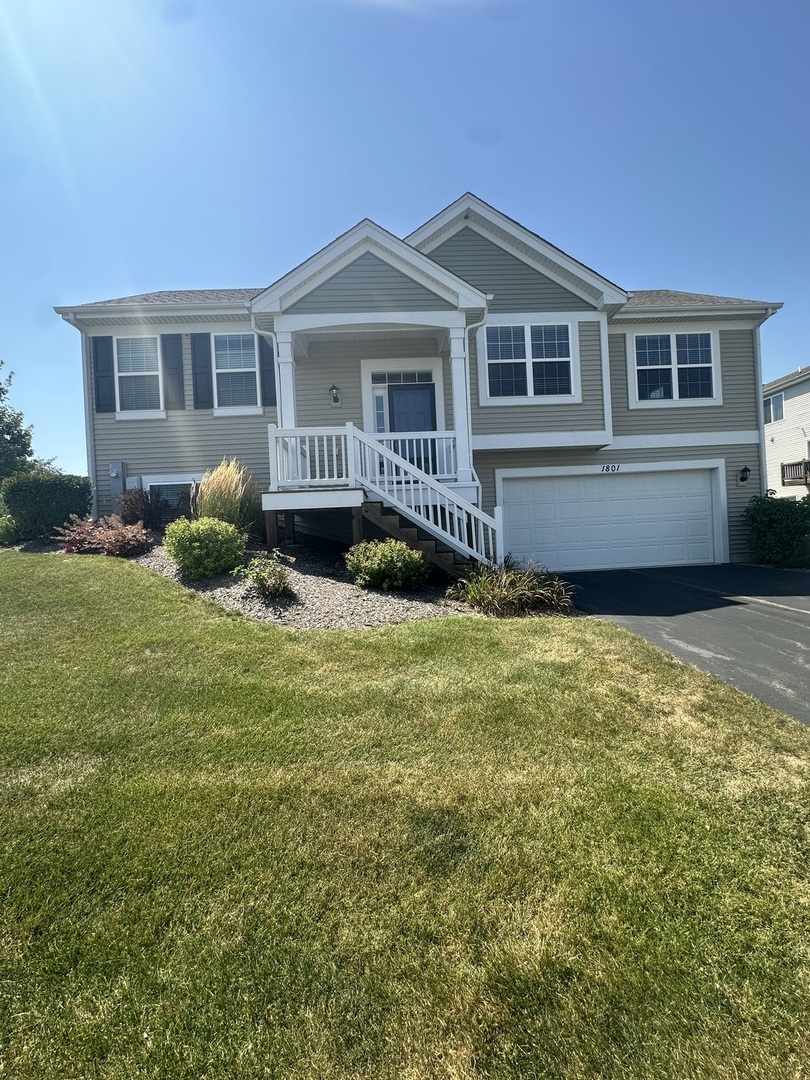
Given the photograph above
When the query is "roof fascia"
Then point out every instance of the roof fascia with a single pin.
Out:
(366, 236)
(74, 314)
(452, 220)
(758, 312)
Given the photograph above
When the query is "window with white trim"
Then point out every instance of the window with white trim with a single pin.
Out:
(236, 371)
(529, 360)
(137, 375)
(774, 408)
(675, 367)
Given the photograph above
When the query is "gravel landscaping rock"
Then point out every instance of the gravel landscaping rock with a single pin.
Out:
(325, 598)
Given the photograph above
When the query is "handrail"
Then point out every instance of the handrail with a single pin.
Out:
(347, 456)
(796, 472)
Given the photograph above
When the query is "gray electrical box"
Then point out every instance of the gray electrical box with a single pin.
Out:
(118, 479)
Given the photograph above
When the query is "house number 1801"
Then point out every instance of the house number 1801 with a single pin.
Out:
(611, 468)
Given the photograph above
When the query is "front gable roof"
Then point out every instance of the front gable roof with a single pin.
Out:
(369, 239)
(470, 212)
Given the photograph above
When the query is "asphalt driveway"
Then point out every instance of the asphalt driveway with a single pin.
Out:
(749, 625)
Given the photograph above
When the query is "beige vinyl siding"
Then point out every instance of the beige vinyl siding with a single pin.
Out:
(516, 286)
(588, 415)
(369, 284)
(339, 362)
(187, 440)
(788, 439)
(737, 413)
(486, 462)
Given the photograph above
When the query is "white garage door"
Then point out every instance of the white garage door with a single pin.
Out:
(604, 521)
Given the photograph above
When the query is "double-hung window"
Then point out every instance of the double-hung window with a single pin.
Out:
(672, 368)
(236, 371)
(533, 361)
(138, 389)
(774, 408)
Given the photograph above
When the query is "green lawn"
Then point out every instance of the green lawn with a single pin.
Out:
(454, 848)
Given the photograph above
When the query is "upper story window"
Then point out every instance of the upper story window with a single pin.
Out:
(138, 386)
(774, 408)
(675, 368)
(236, 371)
(530, 361)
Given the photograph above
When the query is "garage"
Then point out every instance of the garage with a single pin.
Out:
(611, 516)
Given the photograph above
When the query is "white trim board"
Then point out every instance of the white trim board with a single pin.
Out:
(716, 466)
(537, 440)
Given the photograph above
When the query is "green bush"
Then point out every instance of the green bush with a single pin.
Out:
(38, 501)
(268, 577)
(386, 564)
(230, 493)
(205, 547)
(508, 589)
(778, 529)
(107, 536)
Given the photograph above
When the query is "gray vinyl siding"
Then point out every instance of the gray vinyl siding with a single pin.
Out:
(486, 462)
(738, 376)
(369, 284)
(585, 416)
(516, 285)
(186, 441)
(339, 362)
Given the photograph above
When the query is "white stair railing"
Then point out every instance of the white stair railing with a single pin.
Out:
(425, 501)
(348, 457)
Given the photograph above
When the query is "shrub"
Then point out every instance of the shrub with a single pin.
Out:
(230, 493)
(778, 529)
(386, 564)
(39, 501)
(8, 531)
(268, 577)
(205, 547)
(107, 536)
(140, 504)
(508, 589)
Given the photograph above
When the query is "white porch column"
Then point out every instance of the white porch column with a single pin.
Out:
(462, 420)
(285, 390)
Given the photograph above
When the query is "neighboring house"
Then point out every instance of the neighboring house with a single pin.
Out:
(495, 391)
(786, 408)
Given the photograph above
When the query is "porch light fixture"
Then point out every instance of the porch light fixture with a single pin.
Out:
(334, 393)
(745, 472)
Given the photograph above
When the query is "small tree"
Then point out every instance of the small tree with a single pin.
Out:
(16, 452)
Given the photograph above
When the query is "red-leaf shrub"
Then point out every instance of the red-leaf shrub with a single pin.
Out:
(107, 536)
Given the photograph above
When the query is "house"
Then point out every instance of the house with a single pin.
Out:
(786, 409)
(486, 386)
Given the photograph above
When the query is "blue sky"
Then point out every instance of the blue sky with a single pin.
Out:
(169, 144)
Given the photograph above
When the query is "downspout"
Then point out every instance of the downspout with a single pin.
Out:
(469, 329)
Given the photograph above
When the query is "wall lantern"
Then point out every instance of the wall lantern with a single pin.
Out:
(334, 393)
(745, 472)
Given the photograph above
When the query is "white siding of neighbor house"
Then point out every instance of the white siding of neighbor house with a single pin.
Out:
(369, 284)
(187, 440)
(486, 462)
(788, 439)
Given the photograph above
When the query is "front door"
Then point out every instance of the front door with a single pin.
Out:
(413, 408)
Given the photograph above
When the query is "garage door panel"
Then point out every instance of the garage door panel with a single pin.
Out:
(606, 520)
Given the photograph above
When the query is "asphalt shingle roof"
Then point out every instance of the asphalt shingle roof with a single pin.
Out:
(787, 380)
(185, 296)
(670, 298)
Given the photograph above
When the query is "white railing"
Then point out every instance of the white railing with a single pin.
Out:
(432, 452)
(347, 457)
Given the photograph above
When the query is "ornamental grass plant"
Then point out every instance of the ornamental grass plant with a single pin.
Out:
(229, 492)
(508, 589)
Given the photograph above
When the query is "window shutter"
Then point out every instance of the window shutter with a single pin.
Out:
(171, 347)
(267, 371)
(202, 379)
(103, 374)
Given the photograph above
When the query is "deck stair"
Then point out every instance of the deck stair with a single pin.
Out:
(304, 461)
(401, 528)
